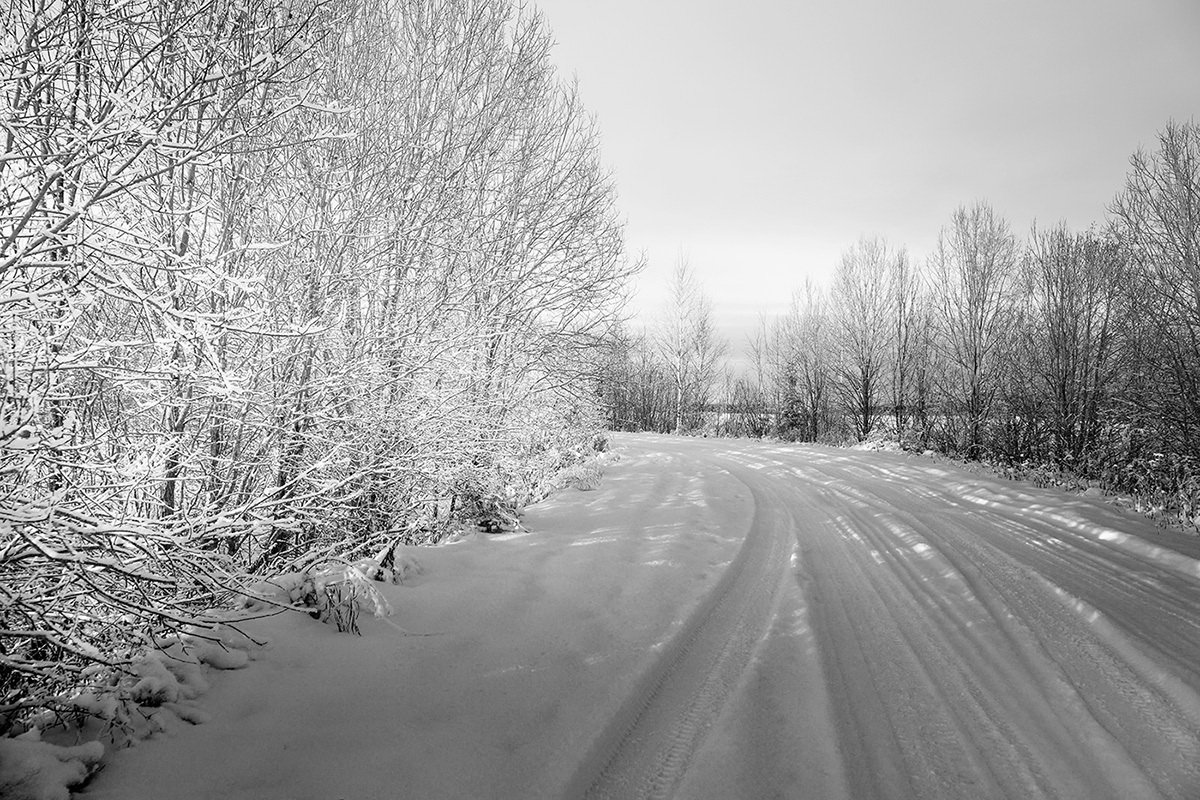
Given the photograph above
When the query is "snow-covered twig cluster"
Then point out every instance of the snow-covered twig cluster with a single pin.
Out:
(281, 284)
(83, 598)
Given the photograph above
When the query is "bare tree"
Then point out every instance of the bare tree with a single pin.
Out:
(907, 354)
(1157, 218)
(807, 364)
(688, 345)
(1074, 284)
(973, 269)
(862, 299)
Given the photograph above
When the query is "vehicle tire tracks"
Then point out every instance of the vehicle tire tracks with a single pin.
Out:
(644, 750)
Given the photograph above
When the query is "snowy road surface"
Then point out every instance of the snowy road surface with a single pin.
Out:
(731, 619)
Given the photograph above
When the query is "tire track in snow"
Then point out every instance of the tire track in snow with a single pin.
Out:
(644, 751)
(1071, 698)
(970, 641)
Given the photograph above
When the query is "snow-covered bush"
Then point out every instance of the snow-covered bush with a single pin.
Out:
(209, 372)
(551, 446)
(1165, 486)
(333, 590)
(79, 593)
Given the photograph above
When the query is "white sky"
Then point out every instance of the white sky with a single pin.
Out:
(762, 138)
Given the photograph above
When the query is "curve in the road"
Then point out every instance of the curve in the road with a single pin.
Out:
(971, 638)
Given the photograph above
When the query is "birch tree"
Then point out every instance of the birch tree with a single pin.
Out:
(689, 346)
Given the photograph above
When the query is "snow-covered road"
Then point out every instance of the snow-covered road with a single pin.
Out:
(732, 619)
(957, 637)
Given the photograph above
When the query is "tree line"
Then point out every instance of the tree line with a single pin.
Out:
(1073, 352)
(280, 281)
(663, 379)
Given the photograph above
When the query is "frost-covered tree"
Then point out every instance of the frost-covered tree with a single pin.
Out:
(279, 281)
(121, 126)
(634, 386)
(688, 345)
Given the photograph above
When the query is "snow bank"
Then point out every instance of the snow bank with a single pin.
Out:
(31, 769)
(503, 676)
(504, 657)
(877, 445)
(163, 686)
(157, 695)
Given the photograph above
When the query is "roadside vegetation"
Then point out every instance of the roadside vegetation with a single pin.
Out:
(1067, 356)
(283, 283)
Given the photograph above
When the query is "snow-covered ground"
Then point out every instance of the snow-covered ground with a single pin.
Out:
(496, 673)
(733, 619)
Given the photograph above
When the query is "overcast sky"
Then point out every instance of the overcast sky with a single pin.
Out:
(762, 138)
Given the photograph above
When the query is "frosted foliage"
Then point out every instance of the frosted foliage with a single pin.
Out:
(301, 282)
